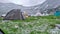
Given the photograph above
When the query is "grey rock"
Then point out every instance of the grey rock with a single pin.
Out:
(58, 25)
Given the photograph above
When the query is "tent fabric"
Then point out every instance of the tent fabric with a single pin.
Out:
(57, 13)
(14, 14)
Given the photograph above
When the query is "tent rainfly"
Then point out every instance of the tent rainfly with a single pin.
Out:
(14, 14)
(57, 13)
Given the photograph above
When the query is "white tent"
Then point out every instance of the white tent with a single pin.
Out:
(3, 15)
(38, 14)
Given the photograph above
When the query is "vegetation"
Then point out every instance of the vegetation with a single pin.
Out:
(31, 25)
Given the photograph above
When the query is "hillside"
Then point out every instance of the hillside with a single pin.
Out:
(48, 4)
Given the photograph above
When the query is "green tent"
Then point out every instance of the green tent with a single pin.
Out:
(57, 13)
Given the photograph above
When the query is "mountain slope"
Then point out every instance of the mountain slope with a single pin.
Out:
(48, 4)
(53, 3)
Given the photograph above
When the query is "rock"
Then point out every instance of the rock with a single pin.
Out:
(58, 25)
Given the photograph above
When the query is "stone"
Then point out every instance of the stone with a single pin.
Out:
(58, 26)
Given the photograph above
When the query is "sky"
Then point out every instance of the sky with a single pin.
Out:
(24, 2)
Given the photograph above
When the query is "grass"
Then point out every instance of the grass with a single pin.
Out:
(31, 25)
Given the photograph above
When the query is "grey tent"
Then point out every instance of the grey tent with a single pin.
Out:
(14, 14)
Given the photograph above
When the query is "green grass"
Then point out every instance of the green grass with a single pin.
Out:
(31, 25)
(1, 18)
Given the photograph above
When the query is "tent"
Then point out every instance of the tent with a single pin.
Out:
(14, 14)
(57, 13)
